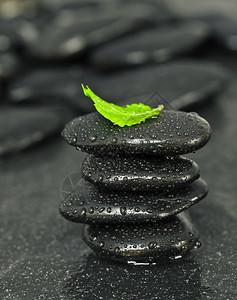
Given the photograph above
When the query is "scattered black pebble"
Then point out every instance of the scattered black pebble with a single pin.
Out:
(22, 127)
(52, 85)
(184, 84)
(157, 44)
(192, 83)
(224, 31)
(72, 32)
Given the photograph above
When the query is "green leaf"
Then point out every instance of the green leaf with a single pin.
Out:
(130, 115)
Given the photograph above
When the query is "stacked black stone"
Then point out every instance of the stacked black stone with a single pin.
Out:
(135, 185)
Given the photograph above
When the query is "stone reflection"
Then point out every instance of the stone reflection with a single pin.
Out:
(93, 278)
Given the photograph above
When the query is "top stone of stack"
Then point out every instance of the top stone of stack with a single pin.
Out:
(171, 133)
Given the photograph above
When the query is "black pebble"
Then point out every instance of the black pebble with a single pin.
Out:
(90, 204)
(22, 127)
(52, 85)
(139, 173)
(182, 83)
(191, 83)
(171, 238)
(172, 133)
(74, 31)
(224, 31)
(157, 44)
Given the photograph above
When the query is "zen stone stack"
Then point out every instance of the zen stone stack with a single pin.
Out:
(136, 185)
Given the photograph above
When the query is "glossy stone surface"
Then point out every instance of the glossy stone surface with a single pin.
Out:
(219, 15)
(52, 85)
(167, 239)
(172, 133)
(89, 204)
(192, 83)
(224, 31)
(72, 32)
(139, 173)
(22, 127)
(157, 44)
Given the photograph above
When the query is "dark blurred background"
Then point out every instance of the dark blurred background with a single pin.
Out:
(185, 50)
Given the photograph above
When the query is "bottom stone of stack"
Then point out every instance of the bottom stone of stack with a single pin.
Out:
(171, 238)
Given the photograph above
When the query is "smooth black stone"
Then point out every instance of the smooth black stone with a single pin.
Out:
(183, 84)
(52, 85)
(192, 83)
(172, 133)
(219, 15)
(89, 204)
(28, 29)
(139, 173)
(224, 30)
(9, 65)
(72, 32)
(158, 44)
(22, 127)
(170, 238)
(222, 26)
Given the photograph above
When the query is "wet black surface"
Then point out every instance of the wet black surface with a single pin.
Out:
(174, 280)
